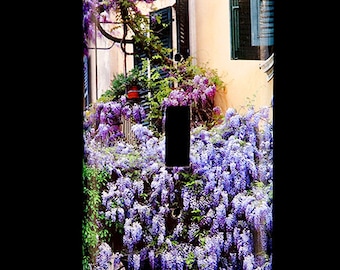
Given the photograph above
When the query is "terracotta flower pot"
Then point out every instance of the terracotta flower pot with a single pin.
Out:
(133, 92)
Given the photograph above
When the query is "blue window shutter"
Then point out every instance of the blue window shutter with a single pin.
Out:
(262, 22)
(182, 16)
(164, 33)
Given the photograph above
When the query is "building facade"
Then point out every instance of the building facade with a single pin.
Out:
(235, 37)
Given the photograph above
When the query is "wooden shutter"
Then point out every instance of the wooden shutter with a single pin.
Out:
(262, 22)
(235, 36)
(165, 35)
(182, 16)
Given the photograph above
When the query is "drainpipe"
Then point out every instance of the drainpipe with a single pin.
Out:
(192, 31)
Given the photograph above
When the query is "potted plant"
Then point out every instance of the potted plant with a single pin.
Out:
(121, 84)
(117, 88)
(133, 83)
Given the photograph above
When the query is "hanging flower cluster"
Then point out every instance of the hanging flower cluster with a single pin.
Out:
(195, 86)
(199, 95)
(103, 122)
(200, 92)
(216, 214)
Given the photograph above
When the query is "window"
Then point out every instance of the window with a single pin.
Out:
(164, 30)
(164, 33)
(252, 29)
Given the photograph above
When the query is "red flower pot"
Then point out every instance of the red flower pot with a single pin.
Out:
(133, 92)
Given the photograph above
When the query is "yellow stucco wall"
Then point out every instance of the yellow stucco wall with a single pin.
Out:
(245, 81)
(106, 61)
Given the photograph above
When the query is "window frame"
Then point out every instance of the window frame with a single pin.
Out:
(251, 29)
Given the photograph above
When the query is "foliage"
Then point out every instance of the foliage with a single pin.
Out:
(126, 18)
(121, 82)
(93, 182)
(185, 84)
(118, 88)
(216, 214)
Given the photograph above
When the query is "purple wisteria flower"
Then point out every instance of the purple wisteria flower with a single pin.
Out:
(104, 257)
(215, 214)
(104, 123)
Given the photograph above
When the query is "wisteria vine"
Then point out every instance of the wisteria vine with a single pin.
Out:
(216, 214)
